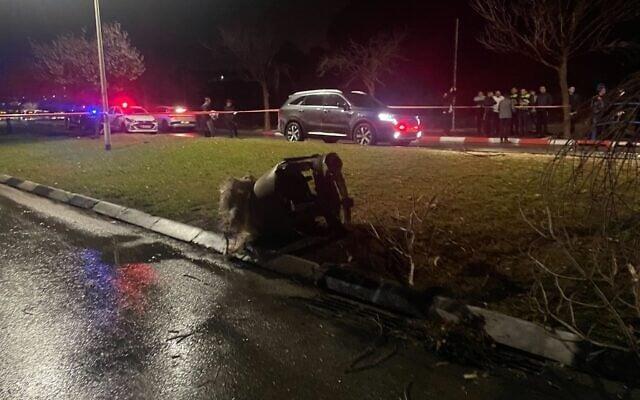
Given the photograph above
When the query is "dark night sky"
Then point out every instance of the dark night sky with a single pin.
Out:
(170, 32)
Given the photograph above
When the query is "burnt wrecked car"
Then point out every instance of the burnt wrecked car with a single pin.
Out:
(302, 196)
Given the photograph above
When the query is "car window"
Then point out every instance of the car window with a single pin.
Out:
(136, 111)
(298, 101)
(359, 99)
(333, 100)
(314, 100)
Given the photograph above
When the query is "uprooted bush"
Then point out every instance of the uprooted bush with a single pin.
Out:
(395, 247)
(587, 258)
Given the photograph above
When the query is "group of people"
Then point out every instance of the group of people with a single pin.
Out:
(515, 113)
(207, 123)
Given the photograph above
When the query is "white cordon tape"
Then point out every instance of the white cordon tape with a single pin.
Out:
(272, 110)
(60, 114)
(463, 107)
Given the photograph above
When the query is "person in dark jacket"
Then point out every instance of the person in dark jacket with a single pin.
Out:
(229, 118)
(207, 119)
(597, 111)
(524, 112)
(487, 106)
(448, 102)
(574, 104)
(544, 99)
(514, 96)
(479, 102)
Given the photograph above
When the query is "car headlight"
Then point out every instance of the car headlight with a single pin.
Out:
(386, 117)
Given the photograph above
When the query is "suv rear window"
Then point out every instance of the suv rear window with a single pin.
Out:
(314, 100)
(298, 101)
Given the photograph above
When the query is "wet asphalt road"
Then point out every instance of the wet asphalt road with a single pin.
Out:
(91, 309)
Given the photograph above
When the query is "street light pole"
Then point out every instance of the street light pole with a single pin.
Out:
(455, 75)
(103, 78)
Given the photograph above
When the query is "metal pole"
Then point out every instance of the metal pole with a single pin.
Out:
(455, 75)
(103, 79)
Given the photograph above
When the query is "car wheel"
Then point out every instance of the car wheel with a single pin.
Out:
(330, 140)
(364, 135)
(164, 126)
(293, 132)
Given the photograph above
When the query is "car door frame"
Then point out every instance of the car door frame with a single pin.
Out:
(115, 118)
(336, 118)
(312, 115)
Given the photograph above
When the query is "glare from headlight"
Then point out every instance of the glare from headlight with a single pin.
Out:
(386, 117)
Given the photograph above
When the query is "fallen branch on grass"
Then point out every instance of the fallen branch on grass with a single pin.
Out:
(182, 337)
(358, 363)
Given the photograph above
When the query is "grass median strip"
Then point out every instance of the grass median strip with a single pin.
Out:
(480, 232)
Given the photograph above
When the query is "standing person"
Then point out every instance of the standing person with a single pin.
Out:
(524, 101)
(448, 101)
(495, 110)
(597, 110)
(544, 99)
(505, 114)
(514, 95)
(209, 127)
(487, 112)
(479, 102)
(230, 118)
(574, 104)
(532, 113)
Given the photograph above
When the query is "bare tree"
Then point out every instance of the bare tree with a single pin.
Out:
(365, 62)
(553, 32)
(254, 48)
(587, 258)
(71, 60)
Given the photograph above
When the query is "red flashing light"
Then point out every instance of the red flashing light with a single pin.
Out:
(402, 127)
(125, 104)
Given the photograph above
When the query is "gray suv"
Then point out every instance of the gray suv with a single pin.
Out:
(333, 115)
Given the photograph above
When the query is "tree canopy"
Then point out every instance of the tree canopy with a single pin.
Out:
(71, 60)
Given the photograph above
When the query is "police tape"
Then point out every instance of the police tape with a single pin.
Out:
(417, 107)
(43, 114)
(260, 111)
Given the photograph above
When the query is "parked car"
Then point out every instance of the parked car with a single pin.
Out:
(170, 118)
(132, 119)
(332, 115)
(84, 118)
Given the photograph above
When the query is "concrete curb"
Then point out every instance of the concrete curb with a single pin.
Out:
(503, 329)
(544, 142)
